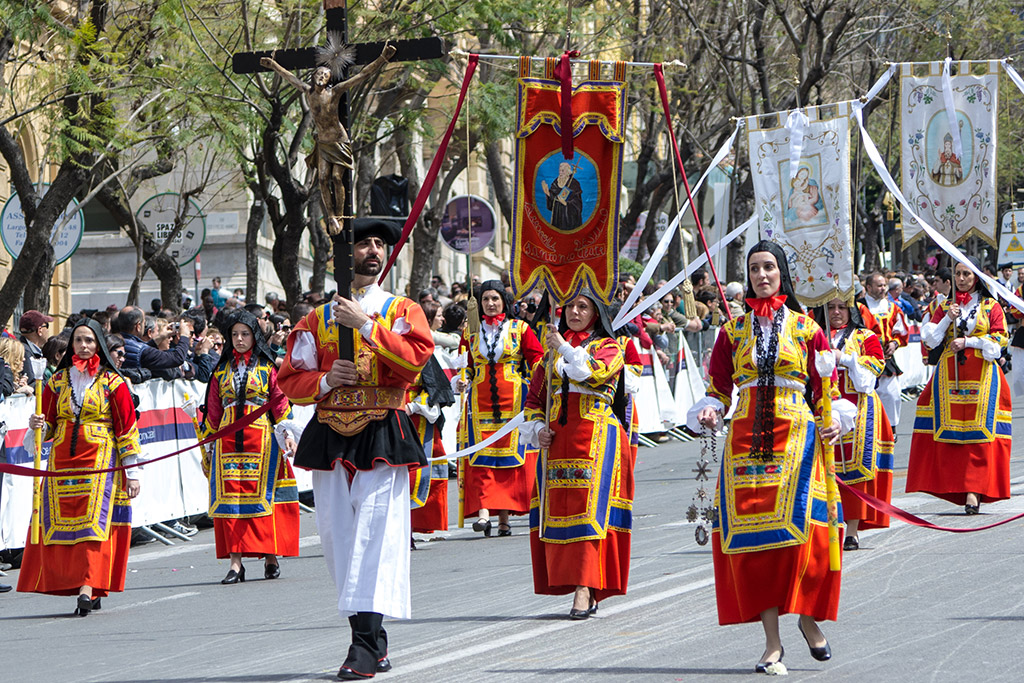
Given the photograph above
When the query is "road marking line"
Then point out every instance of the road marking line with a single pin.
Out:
(491, 645)
(132, 605)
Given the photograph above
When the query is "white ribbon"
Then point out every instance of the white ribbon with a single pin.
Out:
(666, 239)
(947, 246)
(796, 122)
(1014, 76)
(947, 98)
(682, 275)
(505, 430)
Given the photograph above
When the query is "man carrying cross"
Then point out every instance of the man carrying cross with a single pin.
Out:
(332, 150)
(361, 442)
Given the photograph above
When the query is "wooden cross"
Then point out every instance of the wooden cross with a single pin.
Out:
(365, 53)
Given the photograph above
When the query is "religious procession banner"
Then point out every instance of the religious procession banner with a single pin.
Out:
(948, 160)
(801, 172)
(565, 218)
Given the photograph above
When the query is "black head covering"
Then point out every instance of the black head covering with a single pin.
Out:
(389, 231)
(979, 285)
(101, 345)
(820, 314)
(105, 361)
(602, 321)
(785, 281)
(259, 346)
(495, 286)
(602, 329)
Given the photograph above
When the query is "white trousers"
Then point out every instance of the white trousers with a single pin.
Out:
(1017, 358)
(889, 394)
(365, 530)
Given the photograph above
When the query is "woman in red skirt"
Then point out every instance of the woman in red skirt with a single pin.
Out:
(770, 541)
(581, 515)
(86, 519)
(254, 500)
(864, 455)
(500, 361)
(960, 451)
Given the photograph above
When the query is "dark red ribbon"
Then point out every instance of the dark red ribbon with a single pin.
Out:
(563, 72)
(219, 434)
(893, 511)
(659, 76)
(435, 168)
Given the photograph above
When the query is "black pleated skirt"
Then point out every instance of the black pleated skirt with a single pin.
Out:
(392, 440)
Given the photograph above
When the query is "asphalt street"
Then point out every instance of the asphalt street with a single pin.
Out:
(917, 605)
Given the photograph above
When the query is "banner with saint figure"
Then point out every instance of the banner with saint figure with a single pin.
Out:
(949, 176)
(565, 217)
(800, 163)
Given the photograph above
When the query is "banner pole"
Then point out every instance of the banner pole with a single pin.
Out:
(37, 488)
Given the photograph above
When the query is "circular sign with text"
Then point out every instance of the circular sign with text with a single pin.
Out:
(468, 224)
(65, 236)
(162, 213)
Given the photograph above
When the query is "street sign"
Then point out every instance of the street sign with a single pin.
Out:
(158, 214)
(462, 212)
(1011, 244)
(65, 236)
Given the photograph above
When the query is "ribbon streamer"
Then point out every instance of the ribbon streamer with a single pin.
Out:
(563, 72)
(219, 434)
(947, 100)
(650, 301)
(903, 515)
(435, 168)
(507, 428)
(659, 76)
(659, 251)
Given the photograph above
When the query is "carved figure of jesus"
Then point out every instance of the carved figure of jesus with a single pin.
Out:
(332, 149)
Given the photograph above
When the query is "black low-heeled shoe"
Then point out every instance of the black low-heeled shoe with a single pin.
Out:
(347, 673)
(972, 509)
(851, 543)
(507, 531)
(271, 571)
(579, 614)
(762, 667)
(484, 526)
(84, 606)
(822, 654)
(96, 606)
(234, 577)
(384, 665)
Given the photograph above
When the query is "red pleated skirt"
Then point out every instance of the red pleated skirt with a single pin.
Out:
(796, 579)
(951, 470)
(432, 516)
(64, 569)
(603, 565)
(275, 534)
(504, 488)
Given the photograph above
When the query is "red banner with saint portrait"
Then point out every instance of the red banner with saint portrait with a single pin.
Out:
(566, 215)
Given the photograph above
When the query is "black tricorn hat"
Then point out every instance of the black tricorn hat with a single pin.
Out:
(389, 231)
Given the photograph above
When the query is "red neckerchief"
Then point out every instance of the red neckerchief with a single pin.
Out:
(766, 307)
(88, 367)
(494, 320)
(576, 338)
(963, 298)
(242, 358)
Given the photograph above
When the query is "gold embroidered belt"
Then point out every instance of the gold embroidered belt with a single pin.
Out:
(347, 410)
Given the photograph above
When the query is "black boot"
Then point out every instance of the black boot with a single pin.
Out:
(368, 653)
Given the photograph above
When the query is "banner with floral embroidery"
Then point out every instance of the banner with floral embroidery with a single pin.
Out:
(800, 162)
(948, 160)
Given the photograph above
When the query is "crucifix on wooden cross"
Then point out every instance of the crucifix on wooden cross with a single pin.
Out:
(333, 161)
